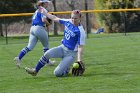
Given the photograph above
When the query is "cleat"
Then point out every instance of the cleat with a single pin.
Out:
(51, 63)
(31, 71)
(17, 61)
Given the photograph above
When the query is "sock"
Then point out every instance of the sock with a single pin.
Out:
(44, 50)
(23, 52)
(41, 63)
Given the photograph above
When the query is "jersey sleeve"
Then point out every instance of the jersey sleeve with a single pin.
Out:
(62, 21)
(81, 36)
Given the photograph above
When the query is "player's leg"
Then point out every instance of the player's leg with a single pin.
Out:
(32, 42)
(56, 52)
(63, 68)
(45, 49)
(20, 56)
(43, 37)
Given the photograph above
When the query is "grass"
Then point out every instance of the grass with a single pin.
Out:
(112, 66)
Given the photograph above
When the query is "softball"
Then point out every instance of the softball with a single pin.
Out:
(75, 65)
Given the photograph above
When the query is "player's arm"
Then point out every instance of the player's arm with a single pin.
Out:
(79, 53)
(50, 16)
(45, 21)
(81, 43)
(53, 17)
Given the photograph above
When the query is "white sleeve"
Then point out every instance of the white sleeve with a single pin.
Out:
(82, 35)
(65, 19)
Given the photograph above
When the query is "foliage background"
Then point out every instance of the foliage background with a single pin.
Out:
(111, 22)
(21, 25)
(118, 21)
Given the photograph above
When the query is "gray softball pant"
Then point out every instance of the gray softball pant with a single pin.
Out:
(38, 33)
(68, 57)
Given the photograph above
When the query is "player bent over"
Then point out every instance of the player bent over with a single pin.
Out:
(72, 45)
(37, 32)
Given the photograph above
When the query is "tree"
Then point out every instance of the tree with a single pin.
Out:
(115, 21)
(26, 6)
(55, 25)
(14, 6)
(71, 4)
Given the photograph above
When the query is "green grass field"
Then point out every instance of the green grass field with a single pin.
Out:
(112, 66)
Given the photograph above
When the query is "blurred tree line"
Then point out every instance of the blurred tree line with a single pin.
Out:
(118, 21)
(14, 6)
(112, 22)
(14, 24)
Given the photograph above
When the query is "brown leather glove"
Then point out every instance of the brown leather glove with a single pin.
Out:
(49, 22)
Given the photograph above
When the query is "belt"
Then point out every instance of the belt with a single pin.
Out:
(38, 25)
(67, 49)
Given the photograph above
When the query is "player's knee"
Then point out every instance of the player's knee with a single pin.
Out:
(47, 55)
(58, 73)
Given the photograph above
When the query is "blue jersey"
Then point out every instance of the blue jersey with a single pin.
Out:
(73, 35)
(37, 19)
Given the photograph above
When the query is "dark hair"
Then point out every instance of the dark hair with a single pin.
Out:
(77, 12)
(39, 3)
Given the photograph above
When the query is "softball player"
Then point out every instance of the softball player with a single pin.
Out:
(37, 32)
(72, 45)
